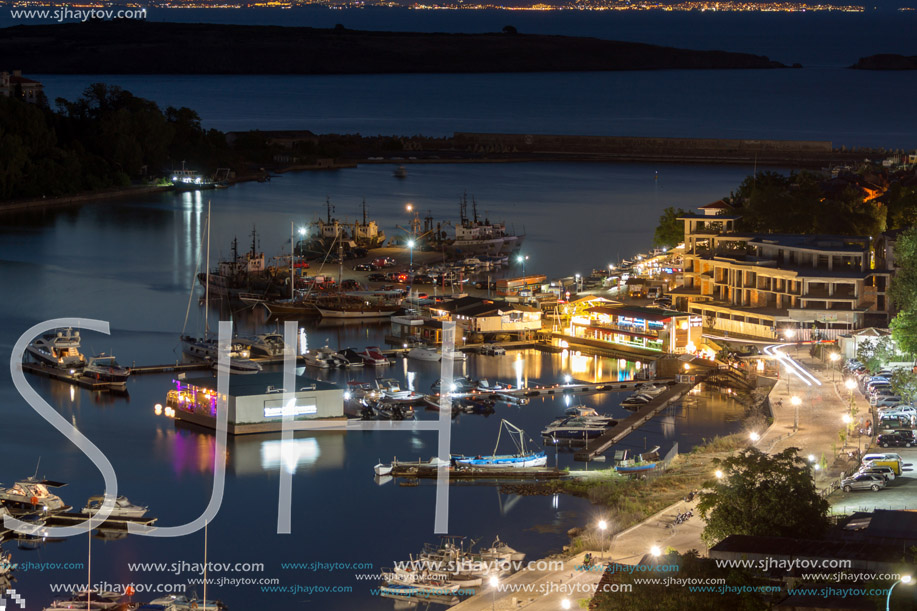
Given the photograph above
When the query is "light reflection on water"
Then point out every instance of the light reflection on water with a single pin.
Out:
(132, 262)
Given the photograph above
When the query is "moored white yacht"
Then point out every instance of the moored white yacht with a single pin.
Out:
(31, 494)
(123, 508)
(61, 349)
(266, 345)
(106, 369)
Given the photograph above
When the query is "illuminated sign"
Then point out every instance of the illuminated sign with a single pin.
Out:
(275, 408)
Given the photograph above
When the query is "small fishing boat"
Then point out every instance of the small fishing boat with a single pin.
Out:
(459, 385)
(381, 469)
(315, 358)
(400, 172)
(237, 366)
(522, 459)
(642, 462)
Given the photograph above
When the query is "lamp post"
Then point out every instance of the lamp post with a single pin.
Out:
(790, 334)
(795, 401)
(719, 474)
(835, 357)
(494, 582)
(905, 579)
(754, 436)
(847, 419)
(522, 259)
(565, 603)
(411, 247)
(602, 526)
(655, 551)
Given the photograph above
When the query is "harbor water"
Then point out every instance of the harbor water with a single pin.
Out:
(133, 262)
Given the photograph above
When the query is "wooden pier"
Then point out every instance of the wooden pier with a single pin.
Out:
(176, 368)
(66, 376)
(427, 471)
(627, 426)
(70, 519)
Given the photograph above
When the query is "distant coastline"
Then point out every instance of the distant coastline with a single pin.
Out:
(136, 47)
(886, 61)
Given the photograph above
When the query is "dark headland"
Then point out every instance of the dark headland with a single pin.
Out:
(886, 61)
(132, 47)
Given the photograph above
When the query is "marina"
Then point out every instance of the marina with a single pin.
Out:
(530, 383)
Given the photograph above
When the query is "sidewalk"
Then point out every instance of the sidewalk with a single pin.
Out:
(820, 414)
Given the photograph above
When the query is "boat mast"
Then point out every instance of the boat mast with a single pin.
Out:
(292, 259)
(207, 278)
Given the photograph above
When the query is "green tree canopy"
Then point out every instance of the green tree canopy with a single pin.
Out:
(661, 597)
(670, 231)
(875, 353)
(765, 495)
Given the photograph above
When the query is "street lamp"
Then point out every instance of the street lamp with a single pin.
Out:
(411, 246)
(655, 551)
(719, 474)
(905, 579)
(754, 437)
(602, 526)
(522, 259)
(835, 357)
(565, 603)
(567, 379)
(494, 582)
(795, 401)
(847, 420)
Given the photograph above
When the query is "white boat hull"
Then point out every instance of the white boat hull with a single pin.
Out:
(354, 314)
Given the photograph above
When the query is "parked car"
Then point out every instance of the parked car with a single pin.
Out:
(376, 277)
(908, 411)
(881, 401)
(364, 267)
(896, 439)
(887, 472)
(423, 279)
(863, 481)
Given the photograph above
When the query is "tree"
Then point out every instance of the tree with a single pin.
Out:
(510, 29)
(670, 231)
(875, 353)
(760, 494)
(904, 283)
(904, 383)
(744, 595)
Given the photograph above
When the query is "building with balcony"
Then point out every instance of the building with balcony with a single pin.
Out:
(16, 85)
(758, 285)
(483, 319)
(652, 329)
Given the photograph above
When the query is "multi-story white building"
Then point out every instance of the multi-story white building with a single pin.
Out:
(776, 285)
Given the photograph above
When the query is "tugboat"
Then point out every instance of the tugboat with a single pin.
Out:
(60, 350)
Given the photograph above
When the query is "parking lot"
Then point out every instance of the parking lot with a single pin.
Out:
(898, 494)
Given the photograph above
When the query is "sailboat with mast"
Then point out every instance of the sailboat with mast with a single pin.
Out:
(207, 348)
(522, 459)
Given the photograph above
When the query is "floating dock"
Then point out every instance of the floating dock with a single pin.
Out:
(630, 424)
(427, 471)
(70, 378)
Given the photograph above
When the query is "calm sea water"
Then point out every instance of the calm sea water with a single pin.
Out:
(132, 263)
